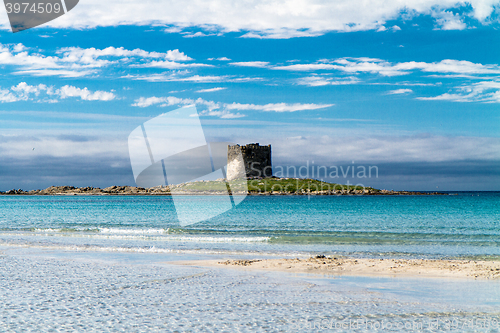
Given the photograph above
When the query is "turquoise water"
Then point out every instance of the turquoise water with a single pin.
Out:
(456, 225)
(108, 263)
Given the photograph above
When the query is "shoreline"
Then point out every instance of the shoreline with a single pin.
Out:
(221, 186)
(165, 191)
(425, 268)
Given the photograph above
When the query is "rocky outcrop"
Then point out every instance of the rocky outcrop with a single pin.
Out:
(112, 190)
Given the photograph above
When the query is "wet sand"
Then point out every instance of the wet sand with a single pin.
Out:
(469, 269)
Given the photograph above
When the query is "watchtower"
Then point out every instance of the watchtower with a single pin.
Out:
(256, 161)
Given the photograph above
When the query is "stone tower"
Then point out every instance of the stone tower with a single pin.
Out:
(252, 160)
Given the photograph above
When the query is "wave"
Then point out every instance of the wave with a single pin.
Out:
(146, 249)
(254, 253)
(290, 237)
(306, 240)
(136, 234)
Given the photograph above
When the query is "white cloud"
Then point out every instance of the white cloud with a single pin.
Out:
(224, 114)
(76, 54)
(259, 64)
(77, 62)
(170, 100)
(308, 67)
(212, 107)
(385, 68)
(18, 55)
(368, 65)
(85, 94)
(8, 97)
(317, 80)
(262, 18)
(349, 65)
(407, 83)
(185, 76)
(170, 64)
(143, 102)
(48, 94)
(449, 66)
(223, 110)
(24, 90)
(393, 28)
(198, 34)
(246, 79)
(19, 47)
(177, 77)
(172, 30)
(210, 90)
(220, 59)
(55, 72)
(400, 91)
(446, 20)
(485, 91)
(277, 107)
(282, 33)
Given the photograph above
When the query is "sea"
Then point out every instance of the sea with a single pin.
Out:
(108, 263)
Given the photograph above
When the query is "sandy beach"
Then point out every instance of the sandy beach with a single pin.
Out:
(467, 269)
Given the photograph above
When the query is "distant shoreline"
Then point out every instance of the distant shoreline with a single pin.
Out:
(253, 187)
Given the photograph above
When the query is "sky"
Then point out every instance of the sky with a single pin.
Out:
(409, 87)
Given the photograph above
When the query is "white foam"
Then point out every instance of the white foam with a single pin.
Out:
(151, 250)
(136, 234)
(149, 231)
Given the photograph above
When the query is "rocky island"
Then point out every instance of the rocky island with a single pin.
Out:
(252, 186)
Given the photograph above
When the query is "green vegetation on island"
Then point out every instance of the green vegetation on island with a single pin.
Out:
(301, 186)
(251, 186)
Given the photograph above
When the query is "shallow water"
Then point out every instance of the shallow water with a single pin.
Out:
(102, 264)
(44, 290)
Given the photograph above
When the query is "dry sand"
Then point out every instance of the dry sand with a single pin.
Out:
(373, 267)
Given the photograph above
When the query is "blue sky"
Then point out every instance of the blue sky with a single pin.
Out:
(412, 88)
